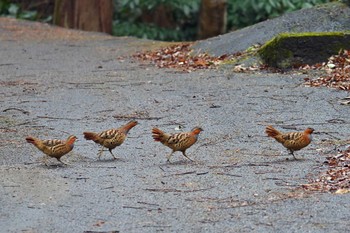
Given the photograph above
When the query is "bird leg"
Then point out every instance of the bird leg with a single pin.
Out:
(59, 159)
(169, 156)
(110, 150)
(45, 160)
(183, 152)
(292, 153)
(100, 153)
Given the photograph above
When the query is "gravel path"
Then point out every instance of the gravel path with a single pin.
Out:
(53, 86)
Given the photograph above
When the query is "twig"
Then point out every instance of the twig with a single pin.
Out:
(101, 231)
(119, 117)
(197, 190)
(160, 226)
(11, 186)
(17, 109)
(99, 167)
(181, 174)
(223, 166)
(255, 165)
(202, 173)
(58, 118)
(227, 174)
(168, 190)
(146, 203)
(82, 178)
(133, 207)
(162, 190)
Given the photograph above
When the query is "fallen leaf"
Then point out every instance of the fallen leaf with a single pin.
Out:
(342, 191)
(99, 223)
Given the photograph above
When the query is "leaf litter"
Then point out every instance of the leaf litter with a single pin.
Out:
(337, 177)
(180, 56)
(337, 71)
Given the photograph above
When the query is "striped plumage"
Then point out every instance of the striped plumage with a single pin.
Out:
(177, 142)
(53, 148)
(292, 141)
(110, 138)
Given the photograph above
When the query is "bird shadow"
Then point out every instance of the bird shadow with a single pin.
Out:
(288, 160)
(55, 166)
(179, 162)
(109, 160)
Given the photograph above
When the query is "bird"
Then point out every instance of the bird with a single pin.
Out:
(293, 141)
(110, 138)
(53, 147)
(177, 142)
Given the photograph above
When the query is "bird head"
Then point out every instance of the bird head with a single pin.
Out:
(197, 130)
(71, 139)
(309, 130)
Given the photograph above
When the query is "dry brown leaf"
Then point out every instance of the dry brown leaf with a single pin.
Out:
(342, 191)
(337, 69)
(179, 57)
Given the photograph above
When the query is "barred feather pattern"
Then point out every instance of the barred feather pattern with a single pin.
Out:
(53, 147)
(111, 138)
(179, 141)
(294, 140)
(52, 142)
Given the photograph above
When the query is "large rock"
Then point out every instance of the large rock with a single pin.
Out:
(329, 17)
(289, 50)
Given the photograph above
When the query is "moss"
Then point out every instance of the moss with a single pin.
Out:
(292, 49)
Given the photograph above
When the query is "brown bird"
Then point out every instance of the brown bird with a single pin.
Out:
(177, 142)
(110, 138)
(53, 148)
(292, 141)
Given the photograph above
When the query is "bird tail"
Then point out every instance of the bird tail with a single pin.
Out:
(272, 132)
(91, 136)
(31, 140)
(157, 135)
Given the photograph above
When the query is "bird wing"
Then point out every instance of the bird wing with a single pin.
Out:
(177, 138)
(52, 142)
(108, 134)
(292, 136)
(294, 141)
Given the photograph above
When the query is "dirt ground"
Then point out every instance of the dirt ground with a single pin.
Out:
(56, 82)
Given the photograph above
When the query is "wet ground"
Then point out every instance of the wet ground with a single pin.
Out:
(54, 83)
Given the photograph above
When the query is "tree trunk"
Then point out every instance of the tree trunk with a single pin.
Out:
(91, 15)
(161, 16)
(212, 18)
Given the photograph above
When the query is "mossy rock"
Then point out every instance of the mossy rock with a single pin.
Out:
(289, 50)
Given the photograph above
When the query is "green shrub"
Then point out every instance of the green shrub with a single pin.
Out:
(129, 15)
(128, 19)
(14, 9)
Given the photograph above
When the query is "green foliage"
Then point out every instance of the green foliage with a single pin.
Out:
(249, 12)
(134, 17)
(13, 10)
(129, 14)
(150, 31)
(10, 9)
